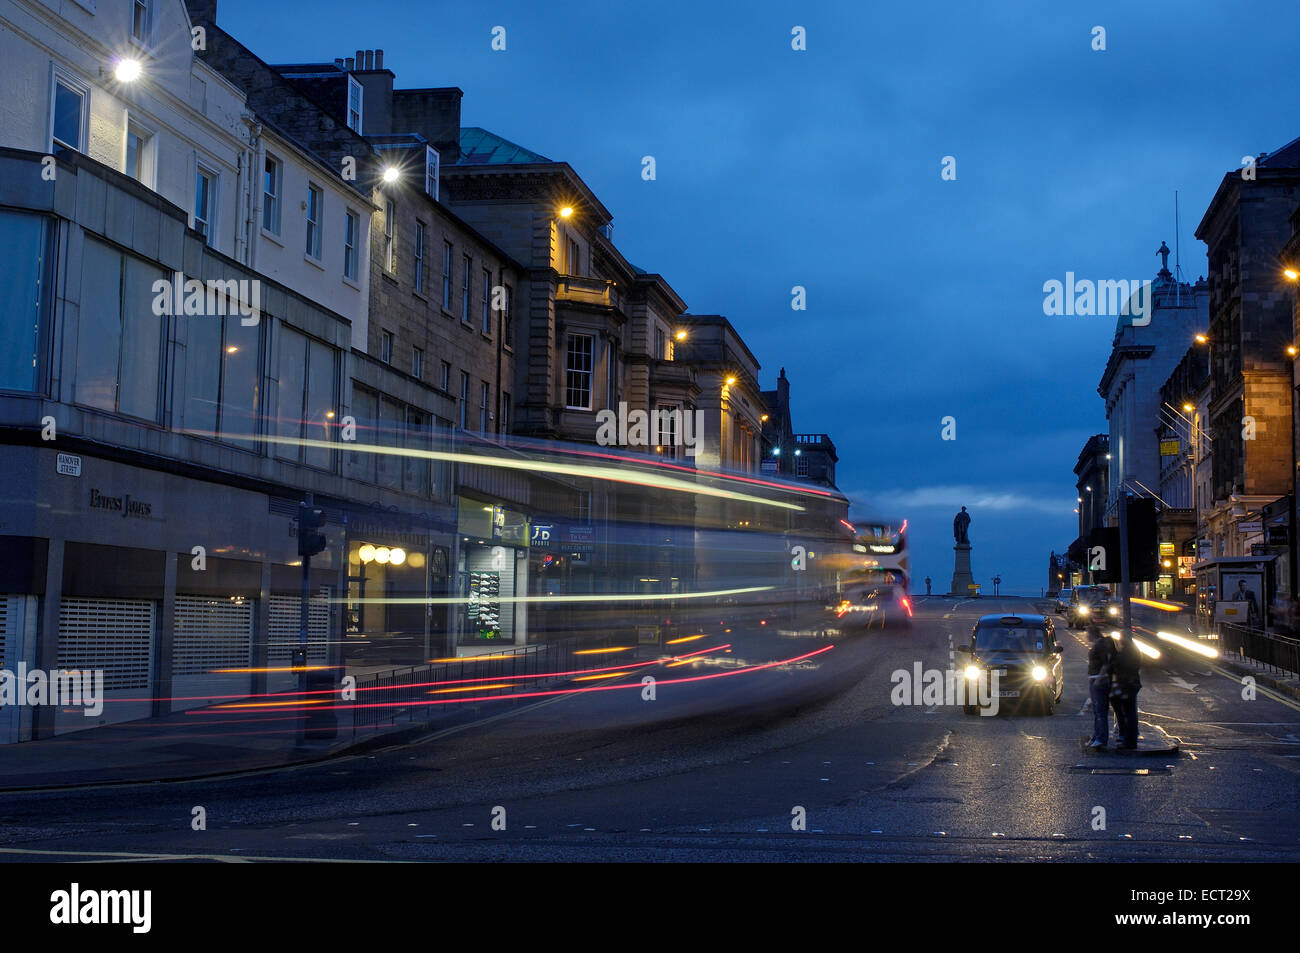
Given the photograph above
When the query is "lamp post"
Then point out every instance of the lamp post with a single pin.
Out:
(1293, 276)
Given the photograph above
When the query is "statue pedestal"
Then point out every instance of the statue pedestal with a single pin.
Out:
(961, 575)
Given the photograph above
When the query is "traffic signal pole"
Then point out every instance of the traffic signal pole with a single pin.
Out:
(1123, 564)
(306, 586)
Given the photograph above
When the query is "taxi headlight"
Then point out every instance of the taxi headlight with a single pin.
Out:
(1084, 610)
(1113, 610)
(1039, 673)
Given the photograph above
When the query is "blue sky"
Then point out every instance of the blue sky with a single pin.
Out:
(822, 168)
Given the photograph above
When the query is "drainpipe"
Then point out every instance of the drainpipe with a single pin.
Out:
(257, 158)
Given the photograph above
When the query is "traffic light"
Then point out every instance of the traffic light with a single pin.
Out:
(310, 519)
(1143, 541)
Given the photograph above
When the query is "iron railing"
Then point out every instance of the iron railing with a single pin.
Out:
(1276, 652)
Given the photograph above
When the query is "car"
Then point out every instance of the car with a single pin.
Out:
(874, 605)
(1063, 600)
(1023, 651)
(1090, 604)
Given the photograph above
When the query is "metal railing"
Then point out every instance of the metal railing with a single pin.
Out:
(1276, 652)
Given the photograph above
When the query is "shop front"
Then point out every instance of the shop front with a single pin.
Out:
(491, 577)
(397, 580)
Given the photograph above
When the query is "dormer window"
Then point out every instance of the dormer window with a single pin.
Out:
(356, 102)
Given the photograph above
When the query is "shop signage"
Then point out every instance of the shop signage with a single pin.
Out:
(1166, 549)
(1251, 526)
(1168, 448)
(68, 464)
(1278, 535)
(120, 504)
(541, 534)
(580, 534)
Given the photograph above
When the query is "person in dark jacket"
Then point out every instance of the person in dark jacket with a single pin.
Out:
(1123, 698)
(1100, 656)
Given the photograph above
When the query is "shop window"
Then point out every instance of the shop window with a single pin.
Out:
(308, 399)
(119, 337)
(25, 250)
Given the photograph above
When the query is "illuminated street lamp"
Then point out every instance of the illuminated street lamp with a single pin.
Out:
(681, 335)
(1291, 274)
(1201, 339)
(730, 381)
(391, 174)
(566, 212)
(128, 70)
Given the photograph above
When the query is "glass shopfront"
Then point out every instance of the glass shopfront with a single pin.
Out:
(492, 572)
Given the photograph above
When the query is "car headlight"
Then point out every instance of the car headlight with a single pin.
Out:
(1113, 610)
(1039, 673)
(1084, 610)
(973, 672)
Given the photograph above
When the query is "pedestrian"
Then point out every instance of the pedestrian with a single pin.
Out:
(1100, 658)
(927, 585)
(1124, 689)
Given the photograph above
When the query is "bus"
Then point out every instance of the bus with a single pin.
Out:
(880, 548)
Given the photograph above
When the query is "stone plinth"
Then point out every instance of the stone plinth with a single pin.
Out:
(961, 575)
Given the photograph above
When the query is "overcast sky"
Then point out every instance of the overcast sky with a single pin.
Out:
(821, 168)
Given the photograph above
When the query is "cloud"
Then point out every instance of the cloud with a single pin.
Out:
(955, 496)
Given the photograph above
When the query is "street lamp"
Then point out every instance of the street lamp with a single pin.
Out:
(1202, 339)
(390, 174)
(566, 212)
(128, 70)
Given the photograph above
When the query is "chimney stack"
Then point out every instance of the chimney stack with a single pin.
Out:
(348, 64)
(370, 59)
(379, 59)
(361, 59)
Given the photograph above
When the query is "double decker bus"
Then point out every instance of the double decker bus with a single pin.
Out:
(880, 552)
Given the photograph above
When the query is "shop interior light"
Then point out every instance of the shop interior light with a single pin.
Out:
(383, 554)
(397, 556)
(366, 553)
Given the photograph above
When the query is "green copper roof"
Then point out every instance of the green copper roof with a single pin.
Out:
(480, 147)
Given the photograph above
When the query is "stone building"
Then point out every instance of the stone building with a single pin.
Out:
(1251, 325)
(1140, 361)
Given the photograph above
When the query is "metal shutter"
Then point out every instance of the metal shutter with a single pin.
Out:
(283, 633)
(211, 634)
(110, 635)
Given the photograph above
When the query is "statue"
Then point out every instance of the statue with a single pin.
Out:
(960, 522)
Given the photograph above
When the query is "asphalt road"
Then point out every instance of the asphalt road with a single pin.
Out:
(595, 778)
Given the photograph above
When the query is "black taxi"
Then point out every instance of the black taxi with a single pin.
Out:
(1023, 653)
